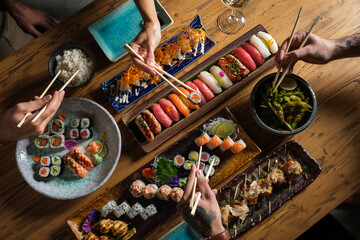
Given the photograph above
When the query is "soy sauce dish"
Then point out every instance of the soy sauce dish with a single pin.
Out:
(287, 111)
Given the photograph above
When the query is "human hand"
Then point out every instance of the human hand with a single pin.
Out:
(9, 120)
(145, 44)
(316, 50)
(207, 219)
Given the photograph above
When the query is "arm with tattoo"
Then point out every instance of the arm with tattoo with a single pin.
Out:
(347, 47)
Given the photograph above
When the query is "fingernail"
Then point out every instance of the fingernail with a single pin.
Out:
(48, 97)
(200, 173)
(151, 63)
(62, 93)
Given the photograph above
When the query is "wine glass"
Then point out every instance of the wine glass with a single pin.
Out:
(232, 20)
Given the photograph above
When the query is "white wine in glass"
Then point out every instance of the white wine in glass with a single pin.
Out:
(232, 20)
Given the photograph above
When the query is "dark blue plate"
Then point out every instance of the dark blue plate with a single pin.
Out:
(137, 92)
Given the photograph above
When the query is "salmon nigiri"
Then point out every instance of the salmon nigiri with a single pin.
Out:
(179, 104)
(187, 94)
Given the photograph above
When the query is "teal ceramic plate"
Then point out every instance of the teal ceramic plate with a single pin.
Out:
(121, 26)
(68, 185)
(182, 232)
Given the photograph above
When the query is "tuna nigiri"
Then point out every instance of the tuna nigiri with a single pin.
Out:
(206, 92)
(187, 101)
(238, 146)
(253, 52)
(160, 115)
(193, 86)
(244, 58)
(179, 104)
(170, 109)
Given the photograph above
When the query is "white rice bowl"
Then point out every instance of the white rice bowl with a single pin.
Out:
(71, 61)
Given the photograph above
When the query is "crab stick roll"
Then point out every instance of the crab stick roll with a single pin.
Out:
(170, 109)
(269, 41)
(186, 101)
(202, 140)
(238, 146)
(254, 53)
(219, 74)
(75, 166)
(244, 58)
(260, 46)
(144, 128)
(214, 142)
(226, 144)
(179, 104)
(233, 68)
(210, 81)
(206, 92)
(193, 86)
(160, 115)
(151, 120)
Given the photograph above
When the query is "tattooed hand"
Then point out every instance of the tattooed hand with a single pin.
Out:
(207, 218)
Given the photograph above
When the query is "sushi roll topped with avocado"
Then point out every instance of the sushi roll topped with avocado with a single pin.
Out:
(85, 123)
(57, 126)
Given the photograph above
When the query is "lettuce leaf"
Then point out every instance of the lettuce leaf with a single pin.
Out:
(165, 168)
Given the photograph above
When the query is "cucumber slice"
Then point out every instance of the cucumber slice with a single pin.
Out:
(103, 151)
(216, 79)
(225, 129)
(184, 101)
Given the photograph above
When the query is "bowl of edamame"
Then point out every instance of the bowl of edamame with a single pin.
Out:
(286, 111)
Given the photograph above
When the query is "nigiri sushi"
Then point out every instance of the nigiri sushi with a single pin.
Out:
(187, 101)
(202, 140)
(226, 144)
(193, 86)
(81, 158)
(75, 166)
(179, 104)
(238, 146)
(244, 58)
(160, 115)
(204, 89)
(233, 68)
(254, 53)
(260, 46)
(220, 75)
(210, 81)
(170, 109)
(214, 142)
(269, 41)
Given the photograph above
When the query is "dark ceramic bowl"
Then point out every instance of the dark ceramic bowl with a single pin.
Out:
(59, 51)
(255, 100)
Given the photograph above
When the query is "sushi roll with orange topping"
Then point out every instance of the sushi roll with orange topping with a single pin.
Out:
(149, 191)
(163, 192)
(179, 160)
(214, 142)
(202, 140)
(176, 194)
(136, 188)
(44, 171)
(238, 146)
(226, 144)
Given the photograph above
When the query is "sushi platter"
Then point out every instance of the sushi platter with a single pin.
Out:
(159, 183)
(171, 113)
(76, 153)
(265, 186)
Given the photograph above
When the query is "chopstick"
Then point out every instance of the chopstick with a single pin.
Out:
(41, 96)
(288, 46)
(301, 45)
(129, 49)
(62, 88)
(193, 210)
(195, 182)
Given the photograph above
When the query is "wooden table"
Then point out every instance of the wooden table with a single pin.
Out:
(333, 138)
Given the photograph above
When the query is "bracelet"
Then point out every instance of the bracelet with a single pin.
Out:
(225, 235)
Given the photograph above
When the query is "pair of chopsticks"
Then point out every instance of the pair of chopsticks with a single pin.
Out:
(195, 182)
(160, 72)
(277, 82)
(43, 94)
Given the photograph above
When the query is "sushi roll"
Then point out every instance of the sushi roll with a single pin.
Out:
(136, 188)
(179, 160)
(55, 170)
(254, 53)
(269, 41)
(187, 164)
(214, 142)
(202, 140)
(45, 161)
(105, 225)
(108, 208)
(149, 191)
(176, 194)
(57, 126)
(210, 81)
(238, 146)
(121, 209)
(193, 156)
(143, 215)
(91, 236)
(212, 172)
(137, 208)
(120, 228)
(75, 123)
(47, 129)
(56, 160)
(44, 171)
(204, 89)
(170, 109)
(85, 123)
(244, 58)
(204, 157)
(57, 141)
(195, 98)
(179, 104)
(220, 75)
(42, 141)
(226, 144)
(202, 166)
(260, 46)
(85, 133)
(187, 101)
(74, 133)
(163, 192)
(216, 160)
(193, 86)
(151, 210)
(131, 213)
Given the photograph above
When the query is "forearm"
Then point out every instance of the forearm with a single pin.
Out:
(147, 10)
(14, 7)
(346, 47)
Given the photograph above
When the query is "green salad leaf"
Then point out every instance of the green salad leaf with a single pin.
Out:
(165, 168)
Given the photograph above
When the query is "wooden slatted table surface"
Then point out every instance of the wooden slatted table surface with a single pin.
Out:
(333, 138)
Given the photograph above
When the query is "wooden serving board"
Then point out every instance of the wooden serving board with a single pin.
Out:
(166, 209)
(191, 75)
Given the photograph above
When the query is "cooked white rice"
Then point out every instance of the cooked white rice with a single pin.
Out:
(71, 61)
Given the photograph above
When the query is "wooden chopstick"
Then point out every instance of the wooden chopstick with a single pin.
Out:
(301, 45)
(195, 181)
(62, 88)
(288, 46)
(193, 210)
(41, 96)
(129, 49)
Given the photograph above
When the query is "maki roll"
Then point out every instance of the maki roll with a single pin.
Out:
(106, 225)
(204, 157)
(207, 169)
(149, 191)
(57, 141)
(238, 146)
(91, 236)
(47, 129)
(226, 144)
(195, 98)
(193, 156)
(74, 133)
(56, 160)
(85, 133)
(176, 194)
(134, 210)
(216, 160)
(120, 228)
(42, 141)
(151, 210)
(179, 160)
(202, 166)
(202, 140)
(108, 208)
(74, 123)
(214, 142)
(85, 123)
(136, 188)
(44, 171)
(121, 209)
(163, 192)
(55, 170)
(57, 126)
(187, 164)
(45, 161)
